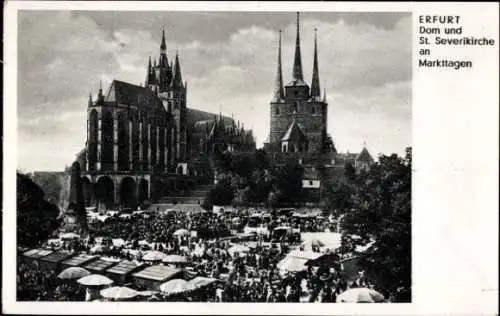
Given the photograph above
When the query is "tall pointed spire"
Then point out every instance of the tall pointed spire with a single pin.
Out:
(315, 88)
(90, 98)
(100, 89)
(177, 78)
(148, 74)
(163, 46)
(324, 93)
(278, 89)
(297, 62)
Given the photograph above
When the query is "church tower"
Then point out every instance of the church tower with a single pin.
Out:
(298, 113)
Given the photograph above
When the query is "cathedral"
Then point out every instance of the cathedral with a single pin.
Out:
(143, 142)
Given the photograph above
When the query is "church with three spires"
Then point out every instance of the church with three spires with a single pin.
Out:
(299, 124)
(298, 111)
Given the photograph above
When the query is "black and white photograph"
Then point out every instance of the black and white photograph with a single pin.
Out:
(214, 156)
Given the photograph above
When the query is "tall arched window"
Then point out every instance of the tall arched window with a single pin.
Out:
(144, 141)
(92, 140)
(107, 140)
(123, 142)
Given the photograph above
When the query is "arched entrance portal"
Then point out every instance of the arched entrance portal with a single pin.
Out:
(128, 193)
(143, 191)
(105, 193)
(88, 191)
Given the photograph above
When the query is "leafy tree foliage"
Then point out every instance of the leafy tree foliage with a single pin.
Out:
(376, 208)
(252, 179)
(36, 218)
(222, 193)
(288, 180)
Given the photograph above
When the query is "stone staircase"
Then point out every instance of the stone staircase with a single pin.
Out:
(195, 196)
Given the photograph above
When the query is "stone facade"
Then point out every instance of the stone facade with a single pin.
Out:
(298, 110)
(142, 141)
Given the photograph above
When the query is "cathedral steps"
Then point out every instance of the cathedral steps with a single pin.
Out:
(195, 196)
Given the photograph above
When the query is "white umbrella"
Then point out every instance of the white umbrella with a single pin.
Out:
(73, 273)
(154, 255)
(199, 282)
(181, 232)
(175, 286)
(174, 259)
(95, 280)
(119, 293)
(360, 295)
(118, 242)
(98, 249)
(69, 236)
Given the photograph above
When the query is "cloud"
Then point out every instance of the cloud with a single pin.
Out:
(62, 56)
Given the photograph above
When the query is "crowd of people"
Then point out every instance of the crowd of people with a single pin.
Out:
(248, 275)
(35, 284)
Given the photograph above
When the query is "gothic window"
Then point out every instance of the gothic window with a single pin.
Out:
(277, 111)
(107, 139)
(92, 139)
(284, 148)
(292, 148)
(313, 110)
(123, 141)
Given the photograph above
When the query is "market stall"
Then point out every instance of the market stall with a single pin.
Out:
(152, 277)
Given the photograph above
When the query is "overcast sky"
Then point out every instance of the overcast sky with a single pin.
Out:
(229, 61)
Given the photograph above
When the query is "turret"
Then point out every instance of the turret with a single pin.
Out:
(297, 61)
(297, 88)
(148, 74)
(100, 96)
(177, 77)
(315, 88)
(278, 88)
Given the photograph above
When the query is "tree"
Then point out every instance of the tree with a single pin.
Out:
(381, 214)
(288, 179)
(349, 171)
(261, 160)
(338, 197)
(36, 218)
(222, 193)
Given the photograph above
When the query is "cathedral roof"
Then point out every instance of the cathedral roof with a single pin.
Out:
(364, 156)
(130, 94)
(194, 115)
(294, 133)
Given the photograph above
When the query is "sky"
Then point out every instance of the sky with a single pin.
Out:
(229, 61)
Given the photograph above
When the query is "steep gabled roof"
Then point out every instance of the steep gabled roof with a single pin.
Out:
(130, 94)
(364, 156)
(294, 133)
